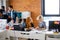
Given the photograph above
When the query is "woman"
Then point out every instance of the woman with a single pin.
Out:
(41, 24)
(30, 24)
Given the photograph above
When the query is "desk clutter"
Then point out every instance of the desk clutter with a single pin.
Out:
(35, 35)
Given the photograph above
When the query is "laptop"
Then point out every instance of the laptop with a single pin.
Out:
(17, 27)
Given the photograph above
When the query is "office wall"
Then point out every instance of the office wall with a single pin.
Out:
(34, 6)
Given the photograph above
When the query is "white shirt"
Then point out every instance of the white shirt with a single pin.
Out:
(11, 14)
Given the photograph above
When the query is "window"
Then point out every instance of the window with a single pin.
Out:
(50, 8)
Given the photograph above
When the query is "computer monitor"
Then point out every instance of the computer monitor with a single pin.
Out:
(54, 25)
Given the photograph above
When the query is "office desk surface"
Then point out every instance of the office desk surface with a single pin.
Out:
(2, 31)
(25, 34)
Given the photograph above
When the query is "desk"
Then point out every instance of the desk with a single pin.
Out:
(52, 35)
(2, 34)
(23, 34)
(41, 35)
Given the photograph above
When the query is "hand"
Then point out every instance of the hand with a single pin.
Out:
(37, 28)
(9, 17)
(43, 28)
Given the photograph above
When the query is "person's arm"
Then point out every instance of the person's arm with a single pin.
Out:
(37, 27)
(9, 16)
